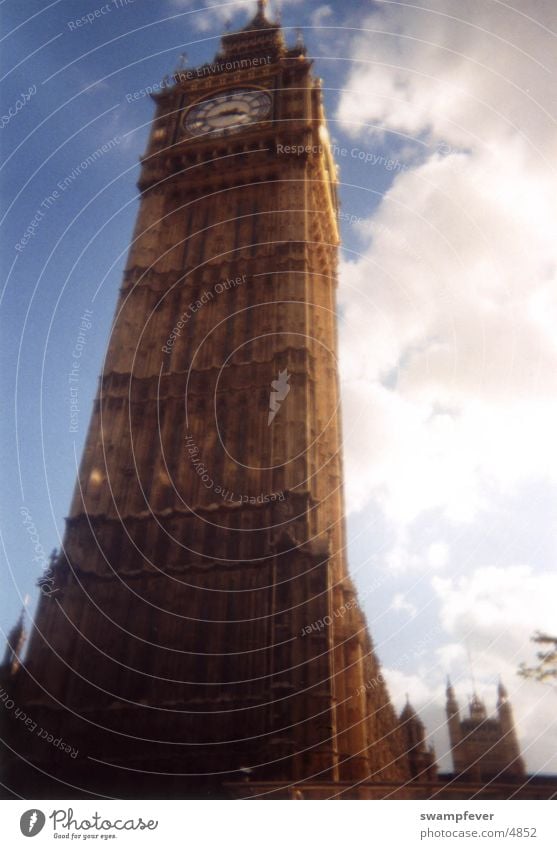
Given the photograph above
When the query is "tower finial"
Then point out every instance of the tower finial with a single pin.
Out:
(260, 17)
(15, 642)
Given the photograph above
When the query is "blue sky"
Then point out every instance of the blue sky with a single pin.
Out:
(447, 293)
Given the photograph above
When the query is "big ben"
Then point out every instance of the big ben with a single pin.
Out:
(200, 633)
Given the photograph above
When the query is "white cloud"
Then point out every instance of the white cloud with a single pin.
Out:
(495, 611)
(438, 555)
(448, 345)
(448, 352)
(402, 684)
(451, 655)
(463, 74)
(494, 603)
(400, 603)
(214, 15)
(322, 16)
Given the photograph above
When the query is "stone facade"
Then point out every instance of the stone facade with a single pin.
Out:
(484, 748)
(204, 622)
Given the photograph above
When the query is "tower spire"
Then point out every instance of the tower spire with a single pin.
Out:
(230, 554)
(508, 731)
(453, 722)
(261, 15)
(421, 757)
(14, 643)
(259, 37)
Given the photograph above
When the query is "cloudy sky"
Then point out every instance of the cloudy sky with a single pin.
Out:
(442, 115)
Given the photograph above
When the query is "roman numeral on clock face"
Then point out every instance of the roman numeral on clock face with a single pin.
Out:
(227, 111)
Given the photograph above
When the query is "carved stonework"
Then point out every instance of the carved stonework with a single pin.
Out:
(206, 598)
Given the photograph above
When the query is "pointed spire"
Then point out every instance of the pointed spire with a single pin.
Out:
(259, 34)
(14, 643)
(502, 696)
(260, 16)
(19, 625)
(451, 707)
(408, 713)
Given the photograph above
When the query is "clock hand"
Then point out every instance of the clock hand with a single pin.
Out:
(234, 111)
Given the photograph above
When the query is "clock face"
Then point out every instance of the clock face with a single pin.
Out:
(232, 110)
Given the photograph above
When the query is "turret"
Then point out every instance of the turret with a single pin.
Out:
(483, 747)
(508, 731)
(14, 646)
(453, 716)
(415, 732)
(420, 756)
(477, 709)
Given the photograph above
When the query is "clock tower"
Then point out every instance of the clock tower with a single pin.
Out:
(200, 631)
